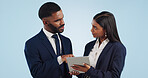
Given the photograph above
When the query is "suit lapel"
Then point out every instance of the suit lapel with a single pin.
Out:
(89, 48)
(103, 53)
(46, 43)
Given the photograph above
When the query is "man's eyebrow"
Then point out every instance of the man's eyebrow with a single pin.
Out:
(59, 19)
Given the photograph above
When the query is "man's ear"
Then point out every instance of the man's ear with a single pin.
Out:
(44, 21)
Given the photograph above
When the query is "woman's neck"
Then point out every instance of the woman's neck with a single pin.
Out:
(101, 40)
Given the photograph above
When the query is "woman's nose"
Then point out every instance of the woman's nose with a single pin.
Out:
(91, 30)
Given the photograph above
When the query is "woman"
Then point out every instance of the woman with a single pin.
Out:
(106, 53)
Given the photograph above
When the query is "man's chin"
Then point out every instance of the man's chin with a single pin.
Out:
(61, 30)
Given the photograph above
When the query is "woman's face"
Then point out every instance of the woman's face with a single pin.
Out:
(97, 30)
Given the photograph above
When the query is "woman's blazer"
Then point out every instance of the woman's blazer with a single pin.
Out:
(110, 62)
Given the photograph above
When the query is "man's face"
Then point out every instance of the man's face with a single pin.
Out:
(55, 23)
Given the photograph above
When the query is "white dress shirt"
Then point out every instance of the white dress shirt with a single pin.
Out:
(52, 41)
(96, 51)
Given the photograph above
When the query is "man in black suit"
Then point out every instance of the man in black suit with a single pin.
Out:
(47, 51)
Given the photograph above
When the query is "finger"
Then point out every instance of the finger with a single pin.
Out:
(79, 69)
(70, 73)
(76, 65)
(72, 55)
(86, 65)
(76, 72)
(63, 56)
(66, 60)
(75, 68)
(69, 55)
(63, 59)
(73, 72)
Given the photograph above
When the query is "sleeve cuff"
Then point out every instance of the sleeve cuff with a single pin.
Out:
(88, 73)
(59, 59)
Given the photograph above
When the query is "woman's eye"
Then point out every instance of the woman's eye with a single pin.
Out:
(95, 28)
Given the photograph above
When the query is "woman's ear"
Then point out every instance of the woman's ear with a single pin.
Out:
(105, 33)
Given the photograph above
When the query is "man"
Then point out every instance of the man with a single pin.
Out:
(46, 52)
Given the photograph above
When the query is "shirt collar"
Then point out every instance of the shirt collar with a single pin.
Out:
(104, 42)
(47, 33)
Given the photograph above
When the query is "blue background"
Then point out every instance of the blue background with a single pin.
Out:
(19, 22)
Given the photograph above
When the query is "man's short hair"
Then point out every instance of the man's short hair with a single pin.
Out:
(47, 9)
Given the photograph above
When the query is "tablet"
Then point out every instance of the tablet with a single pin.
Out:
(78, 61)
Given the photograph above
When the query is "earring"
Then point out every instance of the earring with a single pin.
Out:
(105, 34)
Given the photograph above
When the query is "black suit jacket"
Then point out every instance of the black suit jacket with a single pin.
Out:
(41, 58)
(110, 62)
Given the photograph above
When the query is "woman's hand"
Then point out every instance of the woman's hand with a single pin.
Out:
(84, 68)
(74, 73)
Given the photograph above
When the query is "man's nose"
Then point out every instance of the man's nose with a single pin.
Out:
(62, 22)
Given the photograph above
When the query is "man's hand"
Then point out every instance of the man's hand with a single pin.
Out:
(65, 56)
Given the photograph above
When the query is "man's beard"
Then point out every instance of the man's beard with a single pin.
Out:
(56, 30)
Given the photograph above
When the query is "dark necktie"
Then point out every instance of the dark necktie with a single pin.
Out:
(62, 68)
(57, 43)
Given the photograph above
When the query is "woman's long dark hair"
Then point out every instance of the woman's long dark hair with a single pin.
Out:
(107, 21)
